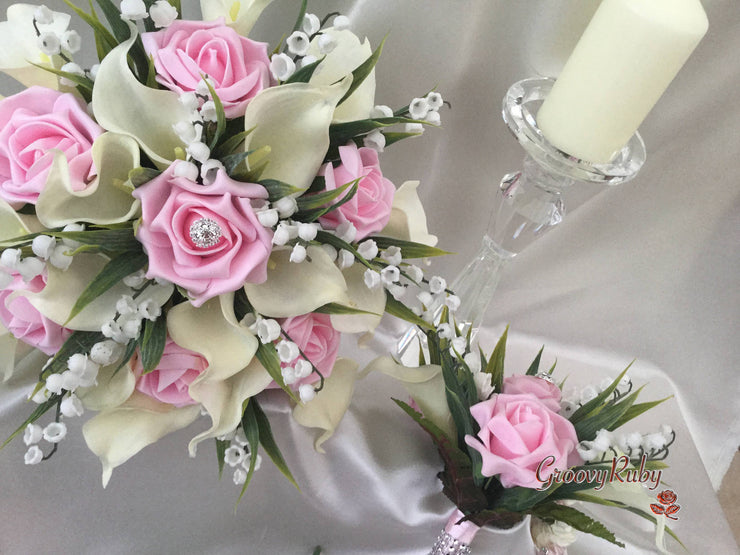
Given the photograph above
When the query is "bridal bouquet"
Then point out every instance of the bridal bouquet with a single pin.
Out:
(516, 446)
(196, 219)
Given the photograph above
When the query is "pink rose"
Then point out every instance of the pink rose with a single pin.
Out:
(370, 209)
(206, 239)
(32, 123)
(317, 339)
(26, 323)
(517, 432)
(545, 391)
(186, 50)
(170, 381)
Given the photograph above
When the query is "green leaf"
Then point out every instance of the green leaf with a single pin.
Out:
(362, 71)
(301, 15)
(400, 310)
(220, 115)
(636, 410)
(304, 74)
(409, 249)
(534, 368)
(268, 357)
(35, 415)
(151, 75)
(122, 33)
(230, 145)
(576, 519)
(242, 306)
(130, 349)
(596, 403)
(392, 137)
(268, 442)
(495, 366)
(317, 550)
(341, 133)
(252, 433)
(78, 342)
(221, 447)
(586, 428)
(319, 200)
(140, 176)
(336, 308)
(153, 341)
(278, 189)
(313, 215)
(85, 83)
(104, 40)
(519, 499)
(232, 161)
(114, 271)
(337, 243)
(108, 240)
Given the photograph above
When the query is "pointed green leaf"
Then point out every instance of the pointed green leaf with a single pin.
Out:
(409, 249)
(221, 447)
(220, 115)
(104, 40)
(122, 32)
(636, 410)
(586, 428)
(230, 145)
(268, 442)
(362, 71)
(140, 176)
(337, 243)
(313, 215)
(35, 415)
(576, 519)
(268, 357)
(400, 310)
(84, 83)
(341, 133)
(336, 308)
(277, 189)
(319, 200)
(495, 366)
(114, 271)
(534, 368)
(596, 403)
(301, 15)
(392, 137)
(153, 341)
(304, 74)
(252, 433)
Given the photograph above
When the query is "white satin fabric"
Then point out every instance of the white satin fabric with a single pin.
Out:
(647, 270)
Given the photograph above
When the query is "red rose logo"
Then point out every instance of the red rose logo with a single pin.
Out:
(666, 497)
(667, 507)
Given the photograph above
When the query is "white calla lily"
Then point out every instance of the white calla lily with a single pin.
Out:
(104, 201)
(233, 375)
(147, 114)
(11, 225)
(348, 54)
(408, 220)
(63, 288)
(241, 15)
(113, 389)
(19, 46)
(326, 410)
(118, 434)
(290, 292)
(424, 384)
(362, 298)
(293, 120)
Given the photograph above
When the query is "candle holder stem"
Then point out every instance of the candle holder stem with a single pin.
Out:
(527, 205)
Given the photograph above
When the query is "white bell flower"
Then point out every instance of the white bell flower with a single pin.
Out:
(390, 274)
(201, 89)
(234, 455)
(452, 302)
(281, 235)
(345, 259)
(49, 43)
(445, 331)
(311, 24)
(71, 42)
(268, 330)
(371, 278)
(341, 23)
(54, 383)
(72, 406)
(74, 69)
(434, 100)
(347, 231)
(130, 325)
(70, 381)
(392, 255)
(43, 15)
(32, 434)
(433, 118)
(286, 207)
(282, 67)
(133, 9)
(307, 232)
(375, 140)
(307, 393)
(29, 268)
(287, 351)
(106, 352)
(55, 432)
(368, 249)
(298, 43)
(59, 258)
(126, 305)
(298, 254)
(149, 310)
(240, 476)
(483, 385)
(199, 151)
(208, 111)
(308, 60)
(268, 218)
(163, 14)
(209, 170)
(135, 280)
(473, 361)
(437, 285)
(418, 108)
(459, 344)
(93, 72)
(416, 128)
(34, 455)
(190, 101)
(425, 298)
(10, 258)
(326, 43)
(73, 227)
(188, 170)
(289, 375)
(187, 132)
(396, 290)
(381, 111)
(43, 246)
(303, 369)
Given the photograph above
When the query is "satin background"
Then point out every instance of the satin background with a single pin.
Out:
(647, 270)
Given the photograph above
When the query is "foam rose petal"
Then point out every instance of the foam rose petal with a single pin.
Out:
(294, 289)
(19, 46)
(293, 120)
(103, 201)
(233, 375)
(424, 385)
(147, 114)
(408, 219)
(326, 410)
(240, 15)
(348, 54)
(118, 434)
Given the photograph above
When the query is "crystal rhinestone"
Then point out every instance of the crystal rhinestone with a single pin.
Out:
(205, 233)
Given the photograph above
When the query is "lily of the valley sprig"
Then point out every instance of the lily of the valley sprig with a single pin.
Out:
(196, 218)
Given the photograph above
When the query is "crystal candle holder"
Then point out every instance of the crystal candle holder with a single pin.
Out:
(529, 202)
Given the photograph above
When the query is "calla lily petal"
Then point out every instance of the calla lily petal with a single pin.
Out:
(113, 389)
(408, 219)
(117, 435)
(348, 54)
(362, 298)
(232, 375)
(19, 46)
(424, 384)
(326, 410)
(63, 288)
(147, 114)
(8, 344)
(11, 225)
(292, 289)
(240, 15)
(104, 201)
(293, 120)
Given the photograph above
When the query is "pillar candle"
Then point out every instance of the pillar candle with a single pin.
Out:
(625, 59)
